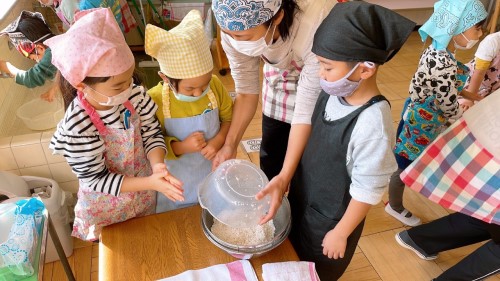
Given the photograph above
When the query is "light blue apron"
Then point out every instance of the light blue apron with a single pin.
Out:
(190, 168)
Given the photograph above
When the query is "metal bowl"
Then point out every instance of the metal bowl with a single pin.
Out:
(282, 224)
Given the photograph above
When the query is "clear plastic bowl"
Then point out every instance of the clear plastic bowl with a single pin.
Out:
(228, 193)
(282, 224)
(40, 115)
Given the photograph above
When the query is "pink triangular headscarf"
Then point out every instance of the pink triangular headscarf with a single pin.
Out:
(93, 46)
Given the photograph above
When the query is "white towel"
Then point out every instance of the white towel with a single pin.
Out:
(289, 271)
(240, 270)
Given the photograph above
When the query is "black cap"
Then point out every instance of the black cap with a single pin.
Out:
(360, 31)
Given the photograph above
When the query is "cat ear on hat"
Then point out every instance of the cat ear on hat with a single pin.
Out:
(153, 40)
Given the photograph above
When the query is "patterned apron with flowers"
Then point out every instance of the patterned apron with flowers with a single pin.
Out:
(124, 155)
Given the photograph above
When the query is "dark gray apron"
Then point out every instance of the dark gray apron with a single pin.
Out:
(319, 192)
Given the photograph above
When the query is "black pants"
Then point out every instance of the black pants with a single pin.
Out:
(273, 147)
(458, 230)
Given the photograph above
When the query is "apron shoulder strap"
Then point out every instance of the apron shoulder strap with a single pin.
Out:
(93, 115)
(376, 99)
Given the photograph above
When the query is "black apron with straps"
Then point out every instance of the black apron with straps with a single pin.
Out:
(319, 192)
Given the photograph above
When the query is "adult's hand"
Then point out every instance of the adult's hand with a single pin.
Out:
(225, 153)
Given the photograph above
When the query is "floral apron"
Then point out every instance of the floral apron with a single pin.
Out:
(190, 168)
(124, 155)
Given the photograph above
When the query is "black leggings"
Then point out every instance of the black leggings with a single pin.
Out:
(273, 147)
(458, 230)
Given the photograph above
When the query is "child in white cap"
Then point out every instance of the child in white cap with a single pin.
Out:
(194, 108)
(109, 134)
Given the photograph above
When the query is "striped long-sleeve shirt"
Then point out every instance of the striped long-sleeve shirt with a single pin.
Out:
(78, 140)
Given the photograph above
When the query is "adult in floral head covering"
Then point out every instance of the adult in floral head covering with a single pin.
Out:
(434, 88)
(280, 33)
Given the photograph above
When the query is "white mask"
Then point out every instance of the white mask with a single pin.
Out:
(116, 99)
(252, 48)
(470, 43)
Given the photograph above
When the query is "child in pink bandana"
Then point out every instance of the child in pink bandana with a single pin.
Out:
(109, 134)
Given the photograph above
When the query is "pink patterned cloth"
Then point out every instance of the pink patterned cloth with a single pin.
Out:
(93, 46)
(124, 155)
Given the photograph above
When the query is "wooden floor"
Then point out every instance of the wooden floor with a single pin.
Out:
(378, 256)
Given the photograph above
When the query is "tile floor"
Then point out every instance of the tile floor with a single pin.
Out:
(378, 256)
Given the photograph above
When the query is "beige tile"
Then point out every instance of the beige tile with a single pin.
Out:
(61, 172)
(47, 136)
(7, 159)
(15, 172)
(38, 171)
(29, 155)
(70, 186)
(51, 158)
(5, 142)
(27, 139)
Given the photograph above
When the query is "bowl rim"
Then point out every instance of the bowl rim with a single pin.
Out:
(248, 249)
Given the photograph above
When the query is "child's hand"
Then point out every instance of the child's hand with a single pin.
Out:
(334, 244)
(194, 142)
(4, 68)
(162, 181)
(210, 150)
(159, 168)
(276, 188)
(49, 95)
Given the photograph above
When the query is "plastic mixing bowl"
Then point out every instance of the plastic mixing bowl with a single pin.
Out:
(228, 193)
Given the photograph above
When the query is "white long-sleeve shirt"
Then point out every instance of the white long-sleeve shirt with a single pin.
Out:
(370, 158)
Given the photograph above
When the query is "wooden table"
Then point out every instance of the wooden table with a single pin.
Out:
(163, 245)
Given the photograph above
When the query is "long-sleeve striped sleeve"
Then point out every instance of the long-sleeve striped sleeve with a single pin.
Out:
(78, 140)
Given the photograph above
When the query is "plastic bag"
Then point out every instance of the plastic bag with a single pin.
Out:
(17, 251)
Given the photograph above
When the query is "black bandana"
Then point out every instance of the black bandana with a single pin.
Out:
(359, 31)
(22, 43)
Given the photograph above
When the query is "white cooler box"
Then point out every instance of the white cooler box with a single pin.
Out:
(55, 201)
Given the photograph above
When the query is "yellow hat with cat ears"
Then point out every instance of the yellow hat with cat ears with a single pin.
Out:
(182, 52)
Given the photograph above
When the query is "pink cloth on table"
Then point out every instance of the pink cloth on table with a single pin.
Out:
(240, 270)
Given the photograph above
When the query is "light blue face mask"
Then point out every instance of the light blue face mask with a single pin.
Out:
(182, 97)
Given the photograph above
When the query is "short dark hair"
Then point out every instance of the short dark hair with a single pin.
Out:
(479, 24)
(290, 8)
(34, 29)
